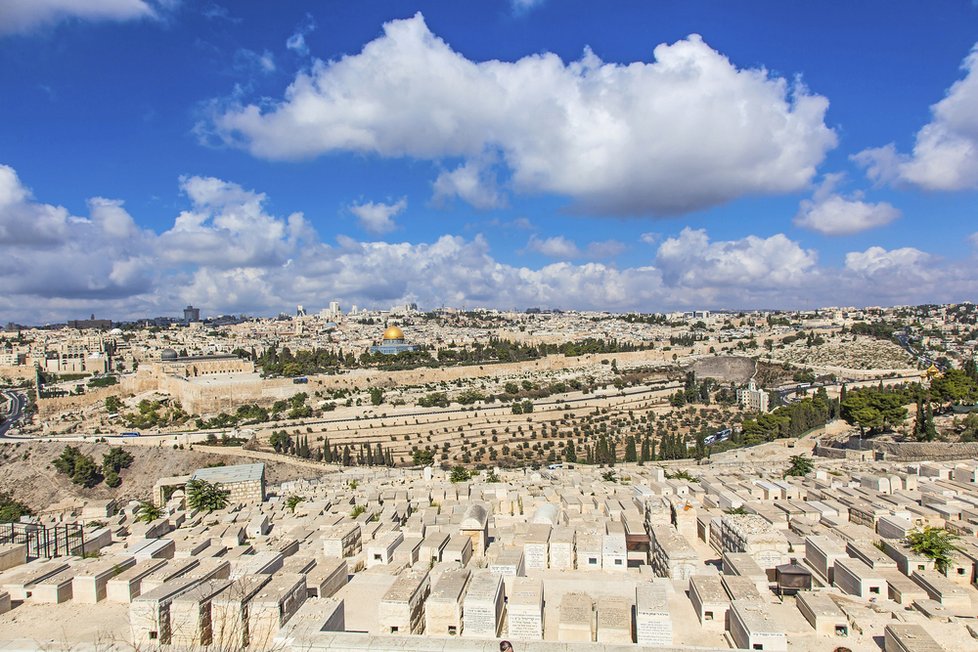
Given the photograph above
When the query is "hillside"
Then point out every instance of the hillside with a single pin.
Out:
(27, 474)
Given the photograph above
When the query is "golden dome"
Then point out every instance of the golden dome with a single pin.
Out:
(393, 333)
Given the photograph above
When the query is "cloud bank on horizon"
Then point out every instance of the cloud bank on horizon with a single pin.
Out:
(227, 252)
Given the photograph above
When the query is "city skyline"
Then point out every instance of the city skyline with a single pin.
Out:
(508, 155)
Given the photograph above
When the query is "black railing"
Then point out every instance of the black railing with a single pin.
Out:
(45, 541)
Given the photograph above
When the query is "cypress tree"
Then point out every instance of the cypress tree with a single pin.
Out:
(630, 454)
(930, 430)
(919, 422)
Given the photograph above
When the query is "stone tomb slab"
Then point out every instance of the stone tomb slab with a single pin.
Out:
(614, 619)
(576, 618)
(653, 622)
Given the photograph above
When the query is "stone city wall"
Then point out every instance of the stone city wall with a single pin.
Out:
(920, 451)
(362, 379)
(199, 398)
(49, 406)
(17, 372)
(218, 396)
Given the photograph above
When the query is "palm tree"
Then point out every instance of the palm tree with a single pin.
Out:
(292, 502)
(936, 543)
(206, 496)
(147, 511)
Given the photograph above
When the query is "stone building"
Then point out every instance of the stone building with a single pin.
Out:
(246, 482)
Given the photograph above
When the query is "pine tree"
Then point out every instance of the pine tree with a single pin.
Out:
(645, 449)
(569, 453)
(347, 459)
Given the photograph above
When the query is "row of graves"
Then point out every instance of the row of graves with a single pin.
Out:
(723, 559)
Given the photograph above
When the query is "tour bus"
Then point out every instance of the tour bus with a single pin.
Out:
(129, 434)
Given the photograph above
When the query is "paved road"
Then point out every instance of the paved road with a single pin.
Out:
(903, 339)
(788, 395)
(18, 403)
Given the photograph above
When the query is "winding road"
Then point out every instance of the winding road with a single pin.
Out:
(18, 403)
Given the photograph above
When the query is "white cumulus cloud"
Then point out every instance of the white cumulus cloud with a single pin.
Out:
(555, 247)
(378, 217)
(831, 213)
(566, 249)
(945, 152)
(50, 254)
(876, 261)
(473, 182)
(227, 227)
(692, 260)
(20, 16)
(686, 131)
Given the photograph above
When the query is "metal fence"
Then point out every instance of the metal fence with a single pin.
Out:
(45, 541)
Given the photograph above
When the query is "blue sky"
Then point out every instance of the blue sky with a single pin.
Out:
(637, 156)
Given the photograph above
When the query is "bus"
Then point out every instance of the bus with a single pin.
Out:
(129, 434)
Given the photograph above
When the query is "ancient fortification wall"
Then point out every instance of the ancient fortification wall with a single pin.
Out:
(919, 451)
(48, 406)
(18, 372)
(218, 394)
(362, 379)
